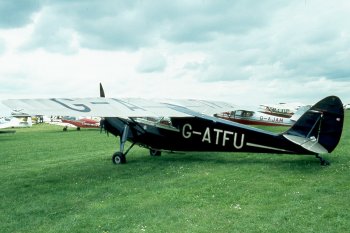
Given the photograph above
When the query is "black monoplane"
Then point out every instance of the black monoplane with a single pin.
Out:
(190, 126)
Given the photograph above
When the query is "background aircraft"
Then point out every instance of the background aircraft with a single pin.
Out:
(280, 110)
(258, 117)
(4, 123)
(74, 122)
(12, 119)
(170, 127)
(80, 122)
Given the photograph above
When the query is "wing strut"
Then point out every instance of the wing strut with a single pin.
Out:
(313, 127)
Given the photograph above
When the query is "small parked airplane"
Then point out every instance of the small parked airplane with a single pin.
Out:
(258, 117)
(12, 119)
(281, 110)
(80, 123)
(4, 124)
(4, 112)
(170, 127)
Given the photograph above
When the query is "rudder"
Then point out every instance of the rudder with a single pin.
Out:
(319, 129)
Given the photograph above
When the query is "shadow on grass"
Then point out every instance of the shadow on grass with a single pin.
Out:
(72, 130)
(288, 162)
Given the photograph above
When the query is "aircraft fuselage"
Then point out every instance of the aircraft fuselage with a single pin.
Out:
(198, 134)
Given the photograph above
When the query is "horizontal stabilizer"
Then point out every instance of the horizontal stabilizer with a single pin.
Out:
(310, 144)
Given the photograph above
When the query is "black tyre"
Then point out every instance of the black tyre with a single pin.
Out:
(118, 158)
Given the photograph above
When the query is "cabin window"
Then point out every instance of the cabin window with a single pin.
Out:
(247, 114)
(238, 113)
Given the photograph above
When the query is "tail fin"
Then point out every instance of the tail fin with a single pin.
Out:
(102, 92)
(319, 129)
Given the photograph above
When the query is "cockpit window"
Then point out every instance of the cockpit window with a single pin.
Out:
(156, 121)
(242, 113)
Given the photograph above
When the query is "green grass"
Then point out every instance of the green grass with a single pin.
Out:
(54, 181)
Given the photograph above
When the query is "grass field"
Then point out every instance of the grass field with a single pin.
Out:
(55, 181)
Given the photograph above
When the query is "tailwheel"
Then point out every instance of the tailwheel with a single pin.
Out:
(323, 162)
(154, 152)
(118, 158)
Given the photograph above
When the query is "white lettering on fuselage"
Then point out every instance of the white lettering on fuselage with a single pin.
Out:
(217, 136)
(185, 131)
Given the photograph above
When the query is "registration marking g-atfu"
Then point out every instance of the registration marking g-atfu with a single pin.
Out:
(214, 135)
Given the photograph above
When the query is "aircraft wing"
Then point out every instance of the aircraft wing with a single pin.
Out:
(4, 125)
(94, 107)
(201, 106)
(4, 110)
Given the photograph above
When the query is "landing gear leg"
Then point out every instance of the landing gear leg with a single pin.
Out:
(323, 162)
(120, 156)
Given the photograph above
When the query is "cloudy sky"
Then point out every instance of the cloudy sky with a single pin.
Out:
(243, 51)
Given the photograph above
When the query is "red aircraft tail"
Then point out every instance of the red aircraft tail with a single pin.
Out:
(319, 129)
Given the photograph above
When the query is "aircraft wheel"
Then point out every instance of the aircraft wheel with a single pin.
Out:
(118, 158)
(153, 152)
(78, 128)
(65, 129)
(325, 162)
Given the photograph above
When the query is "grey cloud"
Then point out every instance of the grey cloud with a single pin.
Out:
(219, 66)
(151, 62)
(243, 39)
(115, 34)
(300, 48)
(108, 26)
(210, 20)
(116, 25)
(17, 13)
(328, 58)
(51, 34)
(196, 66)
